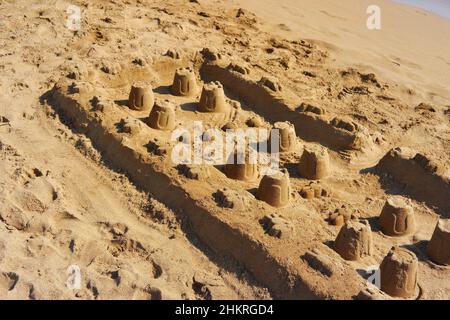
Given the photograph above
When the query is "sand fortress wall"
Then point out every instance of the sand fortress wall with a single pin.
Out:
(275, 104)
(422, 179)
(282, 278)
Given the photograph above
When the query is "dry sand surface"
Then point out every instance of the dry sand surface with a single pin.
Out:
(73, 156)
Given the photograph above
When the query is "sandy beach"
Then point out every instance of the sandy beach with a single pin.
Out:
(80, 220)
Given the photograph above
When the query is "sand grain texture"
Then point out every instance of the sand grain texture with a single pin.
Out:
(68, 198)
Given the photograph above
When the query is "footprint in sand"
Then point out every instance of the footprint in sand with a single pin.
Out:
(43, 189)
(8, 281)
(39, 246)
(13, 216)
(28, 201)
(93, 289)
(157, 270)
(35, 196)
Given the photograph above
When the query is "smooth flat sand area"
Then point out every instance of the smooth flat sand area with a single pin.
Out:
(412, 48)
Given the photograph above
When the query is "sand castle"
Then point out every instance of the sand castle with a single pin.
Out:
(398, 273)
(245, 171)
(438, 248)
(275, 189)
(314, 164)
(226, 212)
(141, 97)
(213, 98)
(287, 136)
(162, 116)
(320, 87)
(354, 241)
(397, 217)
(184, 83)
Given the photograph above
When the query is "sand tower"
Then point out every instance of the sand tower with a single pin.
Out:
(184, 83)
(287, 136)
(354, 241)
(213, 98)
(162, 116)
(314, 164)
(398, 273)
(141, 97)
(274, 189)
(438, 248)
(246, 171)
(397, 217)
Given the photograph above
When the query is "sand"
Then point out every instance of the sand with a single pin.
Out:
(70, 196)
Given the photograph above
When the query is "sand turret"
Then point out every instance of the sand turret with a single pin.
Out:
(162, 116)
(314, 164)
(274, 189)
(241, 167)
(141, 97)
(398, 273)
(213, 98)
(286, 135)
(397, 217)
(184, 83)
(354, 241)
(438, 248)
